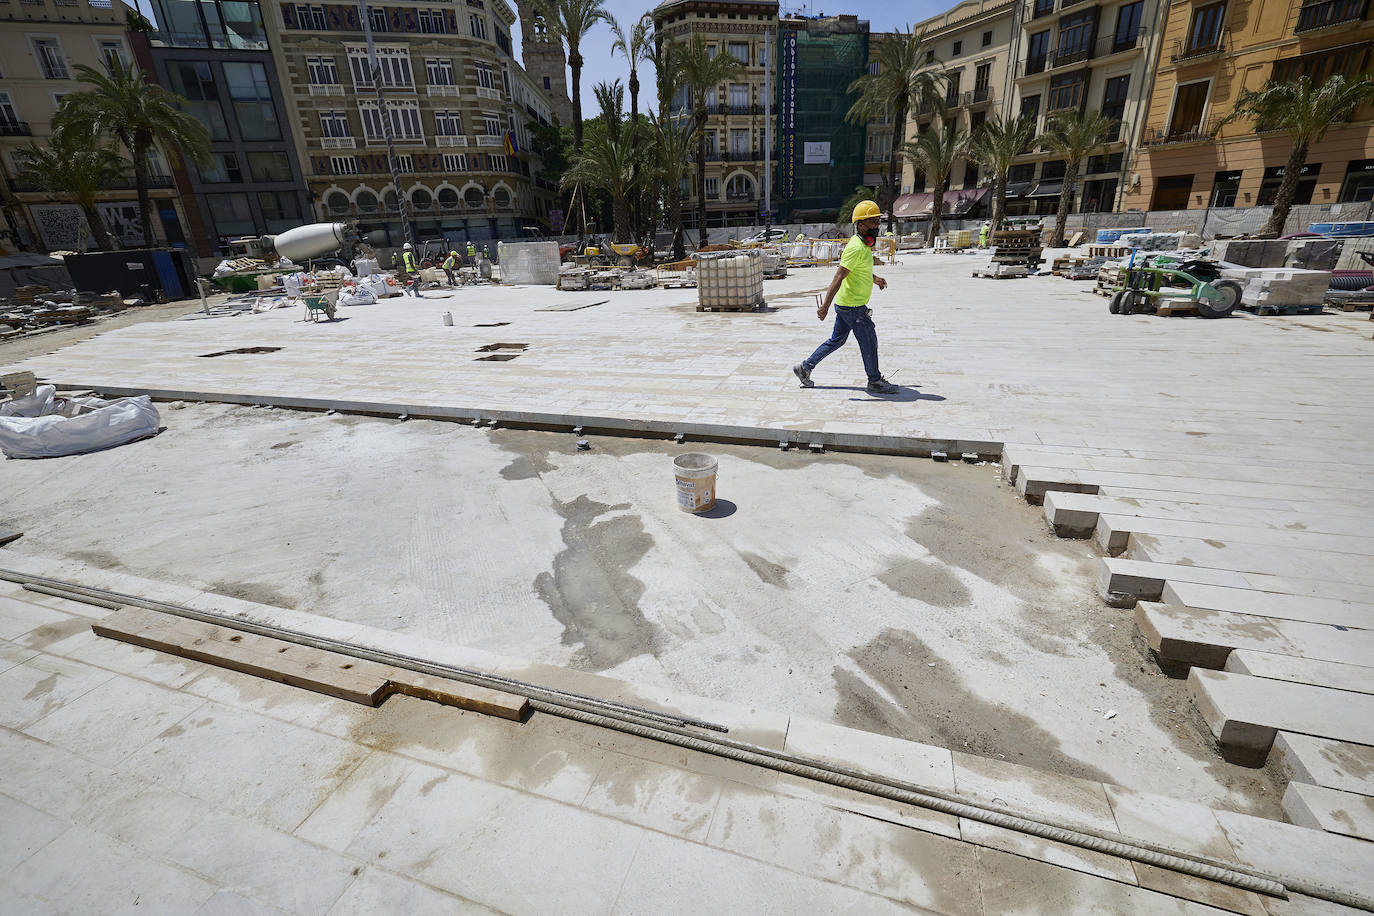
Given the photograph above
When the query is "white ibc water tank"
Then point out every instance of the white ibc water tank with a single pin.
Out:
(312, 240)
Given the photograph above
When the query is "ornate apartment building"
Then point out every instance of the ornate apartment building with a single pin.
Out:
(1093, 56)
(457, 101)
(971, 45)
(735, 128)
(1211, 52)
(41, 44)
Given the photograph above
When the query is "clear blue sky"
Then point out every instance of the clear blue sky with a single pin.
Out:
(602, 66)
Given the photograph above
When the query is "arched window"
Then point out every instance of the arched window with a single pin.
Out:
(421, 199)
(367, 202)
(473, 197)
(740, 187)
(448, 199)
(501, 197)
(337, 202)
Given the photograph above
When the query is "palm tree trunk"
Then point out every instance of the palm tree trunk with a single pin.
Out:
(894, 160)
(620, 216)
(999, 200)
(98, 230)
(575, 64)
(675, 219)
(700, 117)
(937, 209)
(145, 200)
(1061, 218)
(1288, 188)
(637, 217)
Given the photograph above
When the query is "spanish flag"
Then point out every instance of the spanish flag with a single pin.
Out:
(511, 146)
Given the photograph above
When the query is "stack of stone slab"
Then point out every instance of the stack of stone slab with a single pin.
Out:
(1305, 254)
(1280, 288)
(1152, 241)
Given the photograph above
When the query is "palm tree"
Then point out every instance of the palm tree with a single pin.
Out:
(702, 72)
(673, 143)
(607, 160)
(1304, 112)
(846, 214)
(142, 117)
(1074, 135)
(569, 21)
(934, 152)
(637, 47)
(904, 81)
(78, 170)
(995, 144)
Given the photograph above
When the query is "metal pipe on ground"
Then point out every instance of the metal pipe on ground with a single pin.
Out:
(668, 728)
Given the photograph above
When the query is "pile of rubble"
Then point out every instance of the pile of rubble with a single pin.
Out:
(37, 308)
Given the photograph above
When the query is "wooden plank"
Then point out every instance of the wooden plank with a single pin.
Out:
(1270, 604)
(1076, 514)
(456, 693)
(331, 673)
(1345, 813)
(1324, 762)
(1201, 637)
(1245, 714)
(1338, 676)
(300, 666)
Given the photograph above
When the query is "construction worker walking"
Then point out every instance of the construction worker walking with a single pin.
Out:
(472, 254)
(849, 291)
(409, 265)
(449, 264)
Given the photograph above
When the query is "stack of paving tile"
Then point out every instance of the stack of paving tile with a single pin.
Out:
(1254, 586)
(1152, 241)
(1285, 289)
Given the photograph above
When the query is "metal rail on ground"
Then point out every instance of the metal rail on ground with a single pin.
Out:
(673, 729)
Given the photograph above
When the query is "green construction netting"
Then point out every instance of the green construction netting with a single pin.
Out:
(820, 156)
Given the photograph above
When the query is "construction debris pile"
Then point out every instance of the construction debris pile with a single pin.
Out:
(37, 308)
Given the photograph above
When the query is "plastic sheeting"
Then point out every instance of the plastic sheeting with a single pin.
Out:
(42, 425)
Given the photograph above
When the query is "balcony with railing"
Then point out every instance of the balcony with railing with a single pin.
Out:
(741, 156)
(15, 129)
(1186, 52)
(1038, 9)
(490, 140)
(1032, 65)
(1203, 133)
(978, 95)
(951, 98)
(1065, 57)
(326, 89)
(1328, 13)
(443, 89)
(486, 92)
(450, 140)
(1116, 44)
(338, 143)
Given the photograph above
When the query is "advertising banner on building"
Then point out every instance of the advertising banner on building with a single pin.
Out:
(787, 116)
(816, 153)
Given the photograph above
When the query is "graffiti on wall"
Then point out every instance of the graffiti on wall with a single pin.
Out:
(63, 227)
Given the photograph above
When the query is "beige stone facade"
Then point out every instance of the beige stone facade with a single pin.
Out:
(458, 101)
(42, 42)
(544, 60)
(736, 128)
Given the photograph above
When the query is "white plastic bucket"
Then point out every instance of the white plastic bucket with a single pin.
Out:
(695, 473)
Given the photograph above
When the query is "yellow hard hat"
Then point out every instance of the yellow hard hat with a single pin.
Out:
(866, 209)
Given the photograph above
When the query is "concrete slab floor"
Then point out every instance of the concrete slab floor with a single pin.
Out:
(895, 595)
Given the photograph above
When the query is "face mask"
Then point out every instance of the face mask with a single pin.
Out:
(869, 240)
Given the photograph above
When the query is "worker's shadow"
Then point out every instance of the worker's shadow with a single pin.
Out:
(901, 394)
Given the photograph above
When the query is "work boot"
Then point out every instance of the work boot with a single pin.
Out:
(803, 375)
(881, 385)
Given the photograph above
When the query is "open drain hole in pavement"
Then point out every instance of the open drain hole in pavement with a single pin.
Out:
(241, 350)
(490, 348)
(494, 324)
(496, 357)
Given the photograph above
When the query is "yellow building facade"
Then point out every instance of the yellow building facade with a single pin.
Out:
(1212, 52)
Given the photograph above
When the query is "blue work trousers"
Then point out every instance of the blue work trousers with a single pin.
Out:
(859, 320)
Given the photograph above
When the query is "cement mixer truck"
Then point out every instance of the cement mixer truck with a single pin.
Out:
(330, 242)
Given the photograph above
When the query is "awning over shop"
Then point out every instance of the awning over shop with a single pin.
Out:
(1047, 189)
(911, 206)
(957, 203)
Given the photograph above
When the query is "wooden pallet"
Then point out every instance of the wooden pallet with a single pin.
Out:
(722, 308)
(1108, 251)
(1342, 305)
(1176, 308)
(1282, 309)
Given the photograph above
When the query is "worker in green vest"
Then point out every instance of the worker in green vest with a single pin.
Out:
(411, 267)
(449, 264)
(472, 254)
(983, 235)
